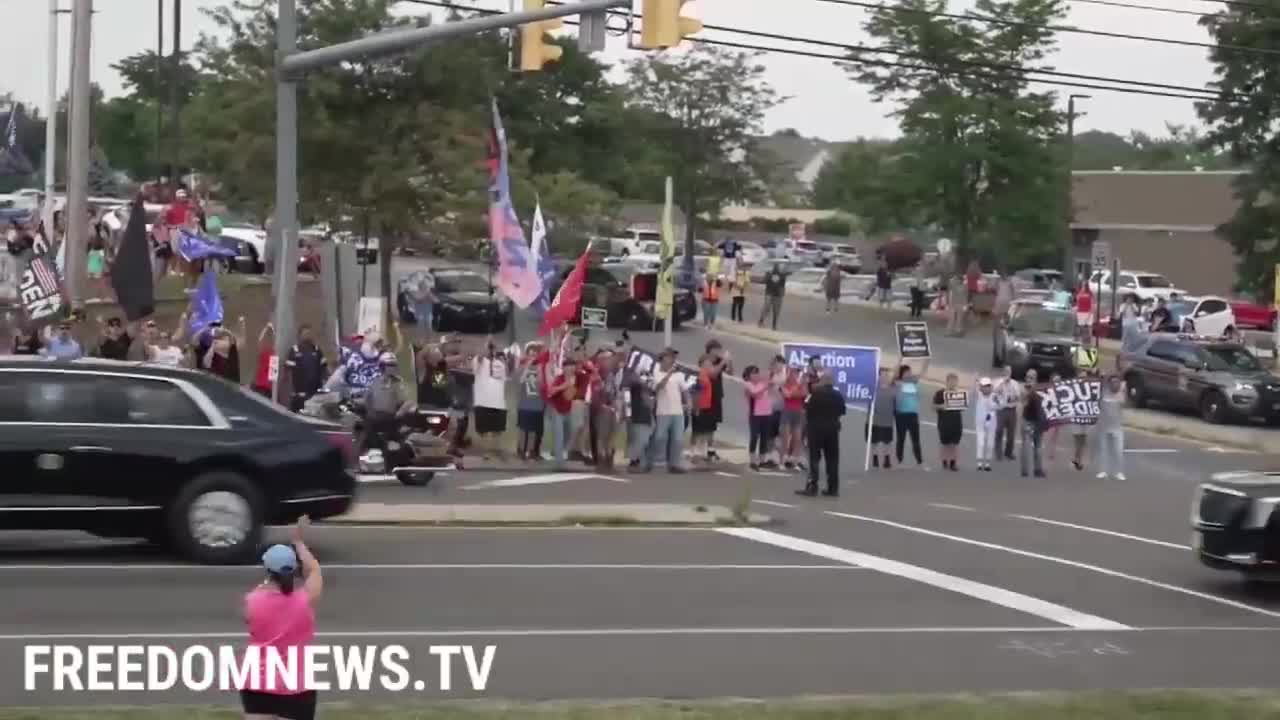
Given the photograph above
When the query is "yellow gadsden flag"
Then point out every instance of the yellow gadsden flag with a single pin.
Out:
(667, 271)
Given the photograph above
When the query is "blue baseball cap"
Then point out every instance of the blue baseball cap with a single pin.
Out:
(280, 560)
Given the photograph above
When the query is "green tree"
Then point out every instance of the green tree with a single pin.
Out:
(152, 82)
(978, 155)
(705, 108)
(1247, 132)
(867, 180)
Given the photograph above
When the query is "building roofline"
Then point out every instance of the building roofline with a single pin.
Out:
(1146, 227)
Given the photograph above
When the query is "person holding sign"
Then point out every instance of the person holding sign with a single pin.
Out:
(950, 403)
(906, 408)
(882, 418)
(1033, 424)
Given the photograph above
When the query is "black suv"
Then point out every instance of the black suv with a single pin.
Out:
(1236, 526)
(178, 457)
(1035, 336)
(1221, 380)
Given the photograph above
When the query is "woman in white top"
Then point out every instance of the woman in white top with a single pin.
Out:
(492, 369)
(164, 352)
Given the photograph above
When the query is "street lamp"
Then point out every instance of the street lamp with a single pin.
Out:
(1068, 241)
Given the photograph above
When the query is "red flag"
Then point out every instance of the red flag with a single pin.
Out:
(568, 298)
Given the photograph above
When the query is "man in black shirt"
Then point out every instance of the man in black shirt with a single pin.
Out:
(306, 367)
(823, 411)
(115, 341)
(775, 286)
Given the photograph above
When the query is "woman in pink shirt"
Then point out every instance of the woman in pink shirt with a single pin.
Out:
(281, 615)
(760, 401)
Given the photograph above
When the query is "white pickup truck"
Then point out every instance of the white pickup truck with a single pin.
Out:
(632, 241)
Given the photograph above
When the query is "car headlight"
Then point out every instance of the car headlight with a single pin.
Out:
(1018, 345)
(450, 305)
(1244, 389)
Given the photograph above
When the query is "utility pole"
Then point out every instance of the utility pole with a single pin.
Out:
(51, 121)
(291, 65)
(77, 210)
(1068, 239)
(159, 84)
(175, 96)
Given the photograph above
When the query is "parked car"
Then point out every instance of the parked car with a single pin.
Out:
(751, 253)
(1035, 336)
(178, 457)
(1209, 316)
(1035, 279)
(1235, 525)
(806, 252)
(627, 295)
(465, 301)
(1146, 286)
(1253, 315)
(1222, 381)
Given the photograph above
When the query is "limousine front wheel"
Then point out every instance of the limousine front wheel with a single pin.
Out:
(217, 519)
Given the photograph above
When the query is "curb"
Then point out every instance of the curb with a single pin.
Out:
(546, 515)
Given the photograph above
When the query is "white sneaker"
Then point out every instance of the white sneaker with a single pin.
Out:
(1120, 476)
(1101, 476)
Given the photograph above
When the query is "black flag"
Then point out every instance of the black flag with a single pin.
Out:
(131, 271)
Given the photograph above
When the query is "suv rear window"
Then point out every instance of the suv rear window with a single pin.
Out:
(1153, 281)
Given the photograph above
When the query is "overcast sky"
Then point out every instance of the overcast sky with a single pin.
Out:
(824, 102)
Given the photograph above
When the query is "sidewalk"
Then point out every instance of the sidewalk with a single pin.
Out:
(1264, 440)
(624, 514)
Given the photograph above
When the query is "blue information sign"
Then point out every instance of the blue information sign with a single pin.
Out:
(854, 368)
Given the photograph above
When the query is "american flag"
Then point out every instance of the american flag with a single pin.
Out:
(45, 276)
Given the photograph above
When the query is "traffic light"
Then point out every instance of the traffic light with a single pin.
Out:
(534, 49)
(663, 27)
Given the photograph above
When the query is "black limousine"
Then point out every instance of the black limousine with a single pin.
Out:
(178, 457)
(1236, 525)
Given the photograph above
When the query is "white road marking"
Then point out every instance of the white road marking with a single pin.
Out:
(987, 593)
(548, 479)
(722, 473)
(1063, 561)
(374, 478)
(1101, 531)
(441, 566)
(948, 506)
(775, 504)
(770, 473)
(1150, 451)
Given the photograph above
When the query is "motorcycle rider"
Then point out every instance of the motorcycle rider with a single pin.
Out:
(387, 401)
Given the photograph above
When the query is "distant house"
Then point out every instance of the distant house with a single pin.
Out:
(1159, 221)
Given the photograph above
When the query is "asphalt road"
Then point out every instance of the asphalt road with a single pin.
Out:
(893, 595)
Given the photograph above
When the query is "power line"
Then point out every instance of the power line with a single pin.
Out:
(1056, 28)
(1073, 79)
(1138, 6)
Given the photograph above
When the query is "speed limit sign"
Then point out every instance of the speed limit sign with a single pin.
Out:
(1101, 255)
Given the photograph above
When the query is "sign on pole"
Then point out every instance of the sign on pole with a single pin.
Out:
(597, 318)
(1101, 255)
(913, 340)
(854, 368)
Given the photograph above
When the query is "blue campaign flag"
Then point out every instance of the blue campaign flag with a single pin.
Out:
(206, 304)
(193, 246)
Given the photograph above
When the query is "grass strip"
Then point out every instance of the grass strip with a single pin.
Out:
(1161, 705)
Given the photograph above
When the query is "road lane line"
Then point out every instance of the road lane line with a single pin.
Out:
(1150, 451)
(446, 566)
(988, 593)
(949, 506)
(1101, 531)
(722, 473)
(773, 503)
(1063, 561)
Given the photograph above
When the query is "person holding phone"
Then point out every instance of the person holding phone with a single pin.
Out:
(281, 616)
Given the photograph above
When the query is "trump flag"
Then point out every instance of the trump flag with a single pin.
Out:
(517, 274)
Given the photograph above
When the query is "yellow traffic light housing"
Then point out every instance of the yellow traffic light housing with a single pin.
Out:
(535, 52)
(663, 26)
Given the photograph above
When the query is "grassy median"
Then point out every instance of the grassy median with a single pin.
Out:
(1172, 705)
